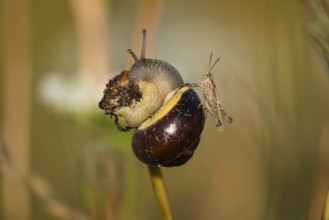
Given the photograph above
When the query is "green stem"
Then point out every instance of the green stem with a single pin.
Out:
(160, 192)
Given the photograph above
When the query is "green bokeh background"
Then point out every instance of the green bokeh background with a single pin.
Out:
(271, 163)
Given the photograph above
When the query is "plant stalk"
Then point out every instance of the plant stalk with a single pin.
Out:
(325, 213)
(160, 192)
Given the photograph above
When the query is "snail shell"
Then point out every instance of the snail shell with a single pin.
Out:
(171, 135)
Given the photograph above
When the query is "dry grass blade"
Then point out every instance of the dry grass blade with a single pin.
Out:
(325, 213)
(319, 32)
(40, 188)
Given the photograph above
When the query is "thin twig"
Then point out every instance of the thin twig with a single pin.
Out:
(160, 192)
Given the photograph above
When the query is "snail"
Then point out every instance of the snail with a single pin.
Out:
(167, 114)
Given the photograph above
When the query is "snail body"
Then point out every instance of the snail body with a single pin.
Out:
(155, 79)
(167, 114)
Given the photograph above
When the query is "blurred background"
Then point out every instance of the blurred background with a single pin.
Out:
(61, 158)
